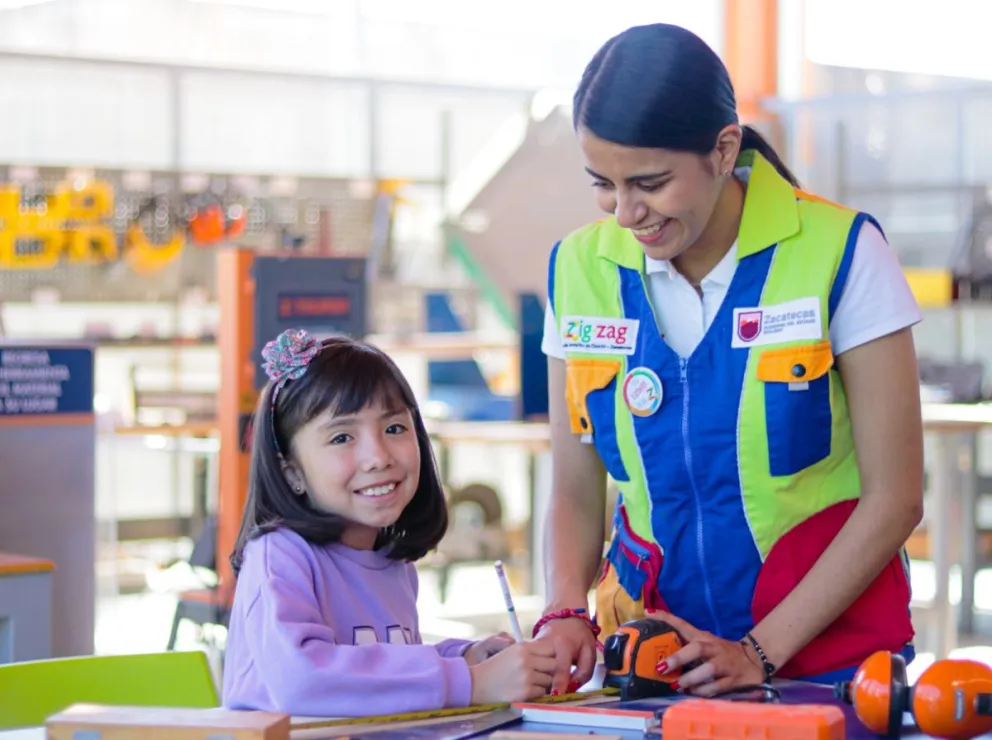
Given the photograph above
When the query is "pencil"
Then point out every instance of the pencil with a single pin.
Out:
(514, 622)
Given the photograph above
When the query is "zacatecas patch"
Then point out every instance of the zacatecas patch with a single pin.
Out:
(783, 322)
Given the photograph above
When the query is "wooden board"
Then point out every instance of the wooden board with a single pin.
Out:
(158, 723)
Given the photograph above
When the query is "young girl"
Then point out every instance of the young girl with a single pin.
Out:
(343, 497)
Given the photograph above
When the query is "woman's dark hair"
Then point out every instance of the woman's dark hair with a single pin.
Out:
(660, 86)
(345, 377)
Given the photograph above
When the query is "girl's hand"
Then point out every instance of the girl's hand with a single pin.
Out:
(521, 672)
(721, 665)
(479, 651)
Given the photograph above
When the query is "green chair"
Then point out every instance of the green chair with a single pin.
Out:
(32, 691)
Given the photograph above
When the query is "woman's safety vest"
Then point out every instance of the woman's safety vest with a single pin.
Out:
(736, 465)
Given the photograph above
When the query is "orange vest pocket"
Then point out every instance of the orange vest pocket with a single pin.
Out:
(582, 376)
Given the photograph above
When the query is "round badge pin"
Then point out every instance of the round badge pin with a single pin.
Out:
(642, 391)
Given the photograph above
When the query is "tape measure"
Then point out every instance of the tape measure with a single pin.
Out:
(439, 713)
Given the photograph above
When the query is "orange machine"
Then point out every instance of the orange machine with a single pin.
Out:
(260, 296)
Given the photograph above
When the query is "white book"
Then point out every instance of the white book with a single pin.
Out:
(590, 716)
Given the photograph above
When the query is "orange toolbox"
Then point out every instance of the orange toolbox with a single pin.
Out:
(720, 719)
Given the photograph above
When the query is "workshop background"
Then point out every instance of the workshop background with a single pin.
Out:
(180, 179)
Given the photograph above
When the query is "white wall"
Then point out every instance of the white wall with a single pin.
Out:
(65, 112)
(61, 113)
(523, 43)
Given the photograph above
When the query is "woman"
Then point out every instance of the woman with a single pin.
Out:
(737, 355)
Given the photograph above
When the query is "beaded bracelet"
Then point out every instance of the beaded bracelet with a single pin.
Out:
(568, 614)
(767, 667)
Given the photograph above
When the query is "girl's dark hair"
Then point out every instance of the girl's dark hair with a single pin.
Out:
(345, 377)
(660, 86)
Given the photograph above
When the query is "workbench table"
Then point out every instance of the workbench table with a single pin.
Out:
(792, 693)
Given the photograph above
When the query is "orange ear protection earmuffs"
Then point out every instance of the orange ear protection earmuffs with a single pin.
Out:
(952, 699)
(879, 693)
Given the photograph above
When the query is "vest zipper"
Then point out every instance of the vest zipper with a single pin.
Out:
(700, 547)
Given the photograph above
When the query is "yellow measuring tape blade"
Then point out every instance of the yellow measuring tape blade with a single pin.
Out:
(439, 713)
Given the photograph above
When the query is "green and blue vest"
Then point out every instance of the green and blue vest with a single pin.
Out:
(736, 465)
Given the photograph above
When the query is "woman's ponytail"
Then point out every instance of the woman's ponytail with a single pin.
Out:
(751, 139)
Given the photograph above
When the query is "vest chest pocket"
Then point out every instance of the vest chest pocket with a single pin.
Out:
(591, 389)
(798, 417)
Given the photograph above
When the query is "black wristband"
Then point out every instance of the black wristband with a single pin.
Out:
(767, 667)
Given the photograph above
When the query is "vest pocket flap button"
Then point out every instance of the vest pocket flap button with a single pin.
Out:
(796, 366)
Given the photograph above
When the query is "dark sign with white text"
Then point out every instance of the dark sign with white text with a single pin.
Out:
(39, 380)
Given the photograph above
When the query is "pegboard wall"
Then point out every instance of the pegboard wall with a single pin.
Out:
(184, 219)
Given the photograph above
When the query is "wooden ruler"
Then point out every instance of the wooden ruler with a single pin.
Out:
(604, 694)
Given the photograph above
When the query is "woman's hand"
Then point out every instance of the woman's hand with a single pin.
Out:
(716, 665)
(479, 651)
(574, 643)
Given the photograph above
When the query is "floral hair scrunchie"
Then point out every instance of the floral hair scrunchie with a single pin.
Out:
(288, 356)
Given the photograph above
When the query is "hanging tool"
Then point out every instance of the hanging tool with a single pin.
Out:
(213, 223)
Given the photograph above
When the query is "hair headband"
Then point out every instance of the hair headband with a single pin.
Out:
(287, 358)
